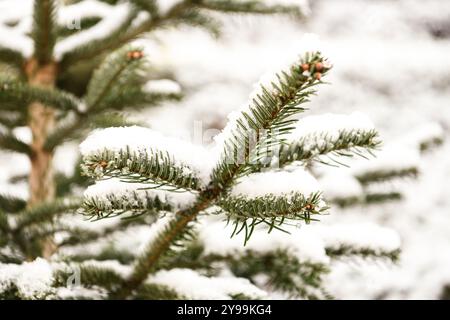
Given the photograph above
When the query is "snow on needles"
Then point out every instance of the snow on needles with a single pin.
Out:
(305, 245)
(359, 236)
(303, 5)
(111, 21)
(331, 125)
(276, 183)
(268, 81)
(193, 285)
(139, 139)
(105, 190)
(393, 157)
(14, 37)
(17, 38)
(32, 279)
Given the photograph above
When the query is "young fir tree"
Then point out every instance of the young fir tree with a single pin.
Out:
(255, 178)
(65, 76)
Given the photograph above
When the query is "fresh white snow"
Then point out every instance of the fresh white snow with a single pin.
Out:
(139, 139)
(163, 86)
(32, 279)
(193, 285)
(277, 183)
(105, 190)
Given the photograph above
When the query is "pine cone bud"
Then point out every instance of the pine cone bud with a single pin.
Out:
(305, 67)
(135, 54)
(319, 66)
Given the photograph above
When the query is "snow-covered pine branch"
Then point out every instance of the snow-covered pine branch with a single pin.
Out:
(70, 67)
(113, 197)
(149, 163)
(143, 155)
(329, 136)
(271, 197)
(268, 117)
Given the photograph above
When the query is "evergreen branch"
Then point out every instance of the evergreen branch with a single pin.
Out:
(133, 204)
(45, 212)
(78, 235)
(11, 57)
(4, 227)
(8, 258)
(367, 199)
(269, 112)
(379, 197)
(150, 291)
(67, 131)
(20, 95)
(129, 97)
(349, 251)
(85, 23)
(91, 276)
(177, 231)
(65, 184)
(380, 175)
(44, 30)
(183, 12)
(135, 98)
(145, 167)
(312, 147)
(108, 253)
(146, 5)
(274, 208)
(429, 144)
(196, 18)
(11, 204)
(11, 119)
(111, 280)
(76, 127)
(116, 84)
(112, 119)
(122, 35)
(10, 142)
(118, 69)
(115, 39)
(192, 257)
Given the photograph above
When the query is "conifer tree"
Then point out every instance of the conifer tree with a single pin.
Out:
(255, 179)
(74, 71)
(255, 185)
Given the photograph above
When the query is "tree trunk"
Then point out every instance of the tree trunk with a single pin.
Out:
(41, 120)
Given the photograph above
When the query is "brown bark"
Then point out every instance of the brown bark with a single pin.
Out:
(41, 120)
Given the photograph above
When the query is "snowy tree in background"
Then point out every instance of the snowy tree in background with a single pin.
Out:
(379, 181)
(61, 81)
